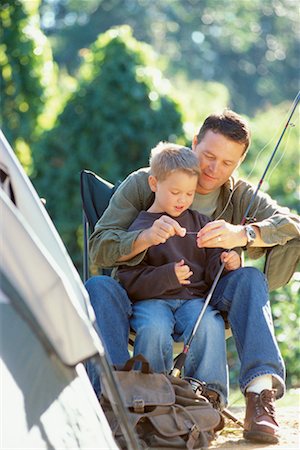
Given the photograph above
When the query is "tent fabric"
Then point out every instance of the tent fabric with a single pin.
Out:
(34, 212)
(44, 404)
(34, 257)
(46, 399)
(47, 292)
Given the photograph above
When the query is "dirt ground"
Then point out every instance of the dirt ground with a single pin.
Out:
(231, 438)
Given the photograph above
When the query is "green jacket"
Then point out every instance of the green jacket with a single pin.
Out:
(278, 226)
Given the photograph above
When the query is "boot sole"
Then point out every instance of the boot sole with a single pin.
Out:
(259, 436)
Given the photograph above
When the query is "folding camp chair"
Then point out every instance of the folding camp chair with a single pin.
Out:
(95, 195)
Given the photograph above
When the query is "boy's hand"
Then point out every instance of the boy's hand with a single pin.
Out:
(183, 272)
(231, 259)
(162, 229)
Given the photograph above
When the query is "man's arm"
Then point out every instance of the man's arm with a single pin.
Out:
(111, 240)
(274, 225)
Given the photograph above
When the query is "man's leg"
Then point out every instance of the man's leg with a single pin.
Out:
(243, 293)
(112, 310)
(206, 359)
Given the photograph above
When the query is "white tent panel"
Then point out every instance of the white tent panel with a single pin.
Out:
(30, 267)
(34, 212)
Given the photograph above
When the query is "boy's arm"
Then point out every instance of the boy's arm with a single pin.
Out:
(145, 282)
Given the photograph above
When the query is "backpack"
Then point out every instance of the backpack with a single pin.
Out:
(164, 410)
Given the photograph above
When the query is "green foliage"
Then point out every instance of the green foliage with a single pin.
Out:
(251, 46)
(109, 125)
(25, 68)
(282, 179)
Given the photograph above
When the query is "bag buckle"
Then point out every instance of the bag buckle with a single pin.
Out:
(138, 405)
(193, 436)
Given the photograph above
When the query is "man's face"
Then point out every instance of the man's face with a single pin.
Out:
(218, 158)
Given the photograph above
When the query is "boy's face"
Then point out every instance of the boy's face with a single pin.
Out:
(175, 194)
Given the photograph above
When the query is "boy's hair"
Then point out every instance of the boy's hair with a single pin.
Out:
(230, 124)
(166, 158)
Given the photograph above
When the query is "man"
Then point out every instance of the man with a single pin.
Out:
(221, 146)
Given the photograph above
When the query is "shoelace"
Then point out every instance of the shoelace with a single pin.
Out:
(265, 404)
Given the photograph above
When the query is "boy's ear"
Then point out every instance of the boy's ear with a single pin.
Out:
(152, 180)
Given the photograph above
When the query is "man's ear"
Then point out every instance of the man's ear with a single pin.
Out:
(152, 180)
(195, 142)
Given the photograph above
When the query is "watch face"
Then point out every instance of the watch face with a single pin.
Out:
(251, 235)
(252, 232)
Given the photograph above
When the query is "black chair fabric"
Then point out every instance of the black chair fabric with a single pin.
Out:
(95, 194)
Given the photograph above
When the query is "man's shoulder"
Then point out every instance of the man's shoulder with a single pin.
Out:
(140, 175)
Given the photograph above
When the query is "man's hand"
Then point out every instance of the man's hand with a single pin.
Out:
(183, 272)
(221, 234)
(161, 230)
(231, 259)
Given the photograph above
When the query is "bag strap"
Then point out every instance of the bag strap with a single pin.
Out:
(138, 358)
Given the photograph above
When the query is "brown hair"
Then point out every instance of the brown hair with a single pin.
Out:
(229, 124)
(166, 157)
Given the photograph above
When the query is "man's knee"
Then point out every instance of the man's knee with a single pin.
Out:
(105, 290)
(248, 276)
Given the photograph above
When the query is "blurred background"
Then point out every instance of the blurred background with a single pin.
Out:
(95, 84)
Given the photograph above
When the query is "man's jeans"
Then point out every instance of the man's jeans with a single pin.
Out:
(243, 293)
(112, 310)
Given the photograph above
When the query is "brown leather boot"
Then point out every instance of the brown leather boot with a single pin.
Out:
(260, 424)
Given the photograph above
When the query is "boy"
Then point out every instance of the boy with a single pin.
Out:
(168, 287)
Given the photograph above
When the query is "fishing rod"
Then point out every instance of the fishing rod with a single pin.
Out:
(180, 360)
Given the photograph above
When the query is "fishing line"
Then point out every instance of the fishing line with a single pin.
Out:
(180, 360)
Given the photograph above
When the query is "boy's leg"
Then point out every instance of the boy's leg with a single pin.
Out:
(153, 322)
(112, 310)
(206, 358)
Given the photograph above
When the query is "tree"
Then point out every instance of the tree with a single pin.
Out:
(25, 73)
(117, 114)
(251, 46)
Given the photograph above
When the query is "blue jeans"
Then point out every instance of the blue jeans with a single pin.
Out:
(158, 323)
(243, 294)
(113, 308)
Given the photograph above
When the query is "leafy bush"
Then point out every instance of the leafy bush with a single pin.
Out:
(118, 113)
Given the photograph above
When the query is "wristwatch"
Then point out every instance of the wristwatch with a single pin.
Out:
(250, 234)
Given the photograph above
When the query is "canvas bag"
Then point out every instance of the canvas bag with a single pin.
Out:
(164, 410)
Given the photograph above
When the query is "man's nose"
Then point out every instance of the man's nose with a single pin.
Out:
(213, 166)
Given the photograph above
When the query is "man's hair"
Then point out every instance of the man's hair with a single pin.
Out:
(229, 124)
(166, 158)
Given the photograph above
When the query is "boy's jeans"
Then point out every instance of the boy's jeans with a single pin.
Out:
(250, 319)
(158, 323)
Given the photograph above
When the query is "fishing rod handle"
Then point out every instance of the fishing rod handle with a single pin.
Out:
(180, 361)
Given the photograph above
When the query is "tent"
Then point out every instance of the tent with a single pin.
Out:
(46, 323)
